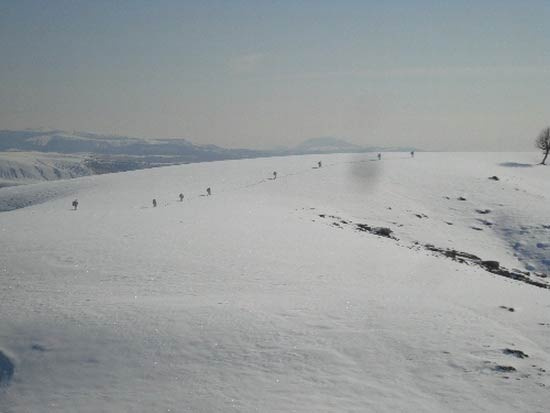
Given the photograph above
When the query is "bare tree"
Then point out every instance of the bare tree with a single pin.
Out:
(543, 143)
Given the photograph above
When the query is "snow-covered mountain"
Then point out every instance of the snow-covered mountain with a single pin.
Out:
(31, 156)
(37, 155)
(85, 142)
(31, 167)
(406, 284)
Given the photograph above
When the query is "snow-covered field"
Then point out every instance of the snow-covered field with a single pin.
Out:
(268, 297)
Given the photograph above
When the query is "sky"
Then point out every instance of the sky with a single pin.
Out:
(437, 75)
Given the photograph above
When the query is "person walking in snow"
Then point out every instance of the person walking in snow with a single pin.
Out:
(181, 197)
(319, 164)
(379, 156)
(75, 204)
(208, 191)
(412, 154)
(274, 175)
(154, 203)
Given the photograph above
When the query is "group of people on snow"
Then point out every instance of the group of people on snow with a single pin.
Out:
(209, 190)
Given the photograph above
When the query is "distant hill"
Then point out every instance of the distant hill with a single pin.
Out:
(336, 145)
(85, 142)
(29, 167)
(32, 155)
(327, 145)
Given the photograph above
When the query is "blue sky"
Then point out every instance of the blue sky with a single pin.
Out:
(442, 75)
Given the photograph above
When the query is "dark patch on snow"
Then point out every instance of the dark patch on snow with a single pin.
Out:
(363, 227)
(511, 309)
(421, 216)
(515, 165)
(379, 231)
(7, 369)
(504, 369)
(494, 178)
(461, 198)
(477, 228)
(383, 232)
(483, 211)
(491, 266)
(485, 222)
(455, 255)
(38, 347)
(516, 353)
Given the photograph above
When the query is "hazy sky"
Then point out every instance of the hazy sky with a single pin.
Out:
(440, 75)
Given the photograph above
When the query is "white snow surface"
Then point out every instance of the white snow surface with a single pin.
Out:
(249, 301)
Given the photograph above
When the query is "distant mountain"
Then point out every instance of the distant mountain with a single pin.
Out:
(29, 167)
(91, 143)
(85, 142)
(335, 145)
(327, 145)
(57, 154)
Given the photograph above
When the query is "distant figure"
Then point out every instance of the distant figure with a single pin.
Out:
(154, 203)
(412, 154)
(208, 191)
(274, 175)
(379, 156)
(75, 204)
(319, 164)
(181, 197)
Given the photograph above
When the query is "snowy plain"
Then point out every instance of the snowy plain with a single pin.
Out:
(265, 296)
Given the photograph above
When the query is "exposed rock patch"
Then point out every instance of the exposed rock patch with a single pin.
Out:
(516, 353)
(504, 369)
(491, 266)
(379, 231)
(7, 369)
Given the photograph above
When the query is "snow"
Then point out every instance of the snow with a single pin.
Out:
(248, 300)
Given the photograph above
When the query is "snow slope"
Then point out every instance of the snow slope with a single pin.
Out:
(29, 167)
(265, 296)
